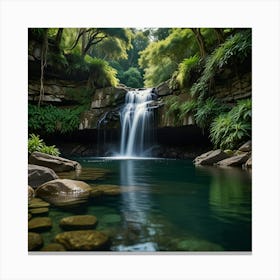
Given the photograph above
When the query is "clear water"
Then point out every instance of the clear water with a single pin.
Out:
(168, 205)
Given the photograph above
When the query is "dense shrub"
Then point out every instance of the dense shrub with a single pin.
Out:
(35, 144)
(207, 110)
(183, 76)
(51, 119)
(231, 129)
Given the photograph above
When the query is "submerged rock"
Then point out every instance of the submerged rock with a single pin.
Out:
(40, 224)
(35, 241)
(106, 190)
(78, 222)
(57, 164)
(53, 247)
(38, 175)
(210, 157)
(83, 240)
(64, 192)
(194, 244)
(111, 219)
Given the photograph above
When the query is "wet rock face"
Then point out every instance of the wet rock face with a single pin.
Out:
(64, 192)
(38, 175)
(58, 164)
(83, 240)
(78, 222)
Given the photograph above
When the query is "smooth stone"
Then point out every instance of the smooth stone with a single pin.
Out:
(53, 247)
(78, 222)
(64, 192)
(38, 175)
(40, 224)
(58, 164)
(38, 203)
(35, 241)
(83, 240)
(39, 211)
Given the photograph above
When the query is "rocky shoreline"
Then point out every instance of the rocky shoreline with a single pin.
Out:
(47, 189)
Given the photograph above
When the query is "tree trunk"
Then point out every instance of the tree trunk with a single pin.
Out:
(200, 42)
(58, 38)
(220, 35)
(44, 50)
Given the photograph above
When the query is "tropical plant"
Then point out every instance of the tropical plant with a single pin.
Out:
(184, 70)
(229, 130)
(35, 144)
(50, 119)
(233, 51)
(207, 110)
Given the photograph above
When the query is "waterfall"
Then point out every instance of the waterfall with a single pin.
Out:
(137, 122)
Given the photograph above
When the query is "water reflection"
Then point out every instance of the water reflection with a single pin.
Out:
(135, 206)
(229, 194)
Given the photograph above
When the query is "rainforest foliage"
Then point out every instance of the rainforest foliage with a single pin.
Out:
(193, 60)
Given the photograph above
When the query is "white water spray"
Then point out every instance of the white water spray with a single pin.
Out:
(137, 121)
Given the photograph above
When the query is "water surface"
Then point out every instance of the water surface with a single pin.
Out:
(168, 205)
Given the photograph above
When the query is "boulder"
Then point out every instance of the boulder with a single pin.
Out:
(31, 193)
(38, 175)
(53, 247)
(247, 147)
(40, 224)
(83, 240)
(78, 222)
(58, 164)
(237, 160)
(163, 89)
(35, 241)
(210, 157)
(64, 192)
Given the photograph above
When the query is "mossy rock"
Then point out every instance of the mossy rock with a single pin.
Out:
(40, 224)
(35, 241)
(83, 240)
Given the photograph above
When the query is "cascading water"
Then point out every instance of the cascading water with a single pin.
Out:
(137, 122)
